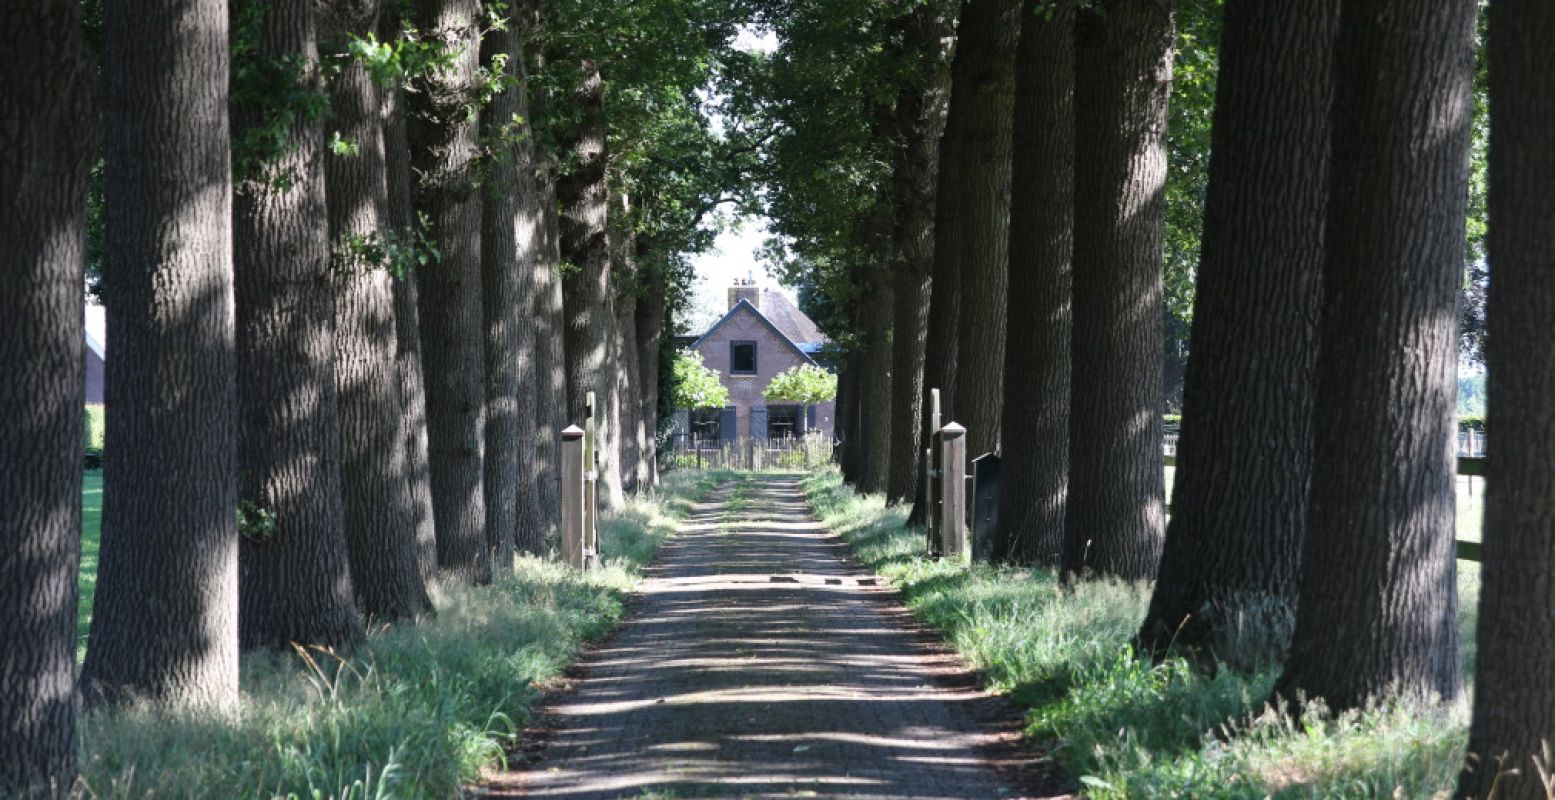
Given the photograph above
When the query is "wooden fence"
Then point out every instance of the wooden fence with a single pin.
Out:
(688, 451)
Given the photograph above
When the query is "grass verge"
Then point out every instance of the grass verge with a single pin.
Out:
(1122, 726)
(416, 713)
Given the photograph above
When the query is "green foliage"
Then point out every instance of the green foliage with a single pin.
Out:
(270, 96)
(1121, 725)
(94, 427)
(399, 252)
(696, 385)
(417, 712)
(807, 384)
(404, 59)
(255, 523)
(1472, 396)
(825, 120)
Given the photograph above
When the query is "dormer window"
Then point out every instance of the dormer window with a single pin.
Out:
(742, 358)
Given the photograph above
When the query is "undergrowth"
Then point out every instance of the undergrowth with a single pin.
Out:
(1122, 726)
(415, 713)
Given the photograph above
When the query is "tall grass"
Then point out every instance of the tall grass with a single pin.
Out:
(1122, 726)
(416, 713)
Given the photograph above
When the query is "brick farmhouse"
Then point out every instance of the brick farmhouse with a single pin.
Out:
(762, 334)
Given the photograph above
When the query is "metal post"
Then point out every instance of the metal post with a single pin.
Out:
(572, 496)
(952, 447)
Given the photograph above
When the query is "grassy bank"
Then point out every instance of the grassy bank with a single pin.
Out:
(415, 713)
(1121, 726)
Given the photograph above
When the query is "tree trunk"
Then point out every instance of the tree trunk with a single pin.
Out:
(1123, 70)
(650, 339)
(1035, 416)
(624, 276)
(550, 352)
(920, 121)
(985, 76)
(874, 359)
(1514, 702)
(50, 145)
(1231, 563)
(407, 329)
(587, 290)
(875, 386)
(939, 360)
(847, 426)
(1377, 615)
(380, 525)
(510, 241)
(633, 436)
(444, 140)
(294, 578)
(165, 615)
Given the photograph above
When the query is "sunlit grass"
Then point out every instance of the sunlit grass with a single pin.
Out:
(91, 534)
(416, 713)
(1123, 726)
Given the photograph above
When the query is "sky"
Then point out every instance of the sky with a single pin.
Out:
(734, 256)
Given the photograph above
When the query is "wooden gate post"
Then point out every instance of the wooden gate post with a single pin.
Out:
(952, 519)
(930, 507)
(572, 496)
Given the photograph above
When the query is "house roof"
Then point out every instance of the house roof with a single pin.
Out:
(799, 328)
(745, 305)
(96, 346)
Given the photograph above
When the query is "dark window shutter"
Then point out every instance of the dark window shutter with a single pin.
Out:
(809, 416)
(759, 423)
(726, 425)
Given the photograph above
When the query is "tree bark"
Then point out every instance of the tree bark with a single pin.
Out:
(407, 329)
(511, 239)
(444, 139)
(165, 614)
(380, 521)
(939, 360)
(847, 426)
(1035, 417)
(1123, 70)
(633, 436)
(550, 352)
(1377, 616)
(985, 77)
(294, 578)
(920, 121)
(1231, 563)
(650, 339)
(875, 358)
(588, 293)
(1514, 703)
(50, 146)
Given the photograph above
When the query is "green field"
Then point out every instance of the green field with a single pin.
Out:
(91, 529)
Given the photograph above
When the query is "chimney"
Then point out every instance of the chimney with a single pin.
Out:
(747, 291)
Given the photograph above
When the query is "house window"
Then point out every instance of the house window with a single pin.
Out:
(783, 421)
(704, 424)
(742, 358)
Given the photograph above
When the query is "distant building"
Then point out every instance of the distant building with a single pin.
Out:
(763, 334)
(96, 358)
